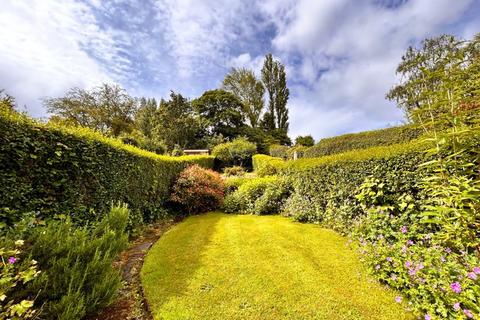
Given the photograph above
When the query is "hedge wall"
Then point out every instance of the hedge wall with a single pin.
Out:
(363, 140)
(57, 170)
(325, 188)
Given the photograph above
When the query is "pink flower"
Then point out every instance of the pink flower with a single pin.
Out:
(410, 242)
(377, 267)
(472, 275)
(442, 258)
(428, 317)
(404, 229)
(389, 259)
(408, 264)
(12, 260)
(398, 299)
(476, 270)
(468, 313)
(393, 276)
(456, 287)
(456, 306)
(448, 250)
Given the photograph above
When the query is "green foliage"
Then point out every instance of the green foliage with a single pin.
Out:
(306, 141)
(176, 123)
(237, 152)
(274, 80)
(76, 171)
(234, 171)
(15, 273)
(222, 111)
(258, 196)
(77, 274)
(244, 84)
(264, 165)
(278, 151)
(363, 140)
(108, 109)
(234, 182)
(198, 190)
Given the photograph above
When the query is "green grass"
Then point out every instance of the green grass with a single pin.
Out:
(218, 266)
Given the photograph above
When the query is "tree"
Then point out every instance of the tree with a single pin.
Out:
(107, 108)
(244, 84)
(176, 123)
(306, 141)
(7, 100)
(274, 80)
(145, 116)
(222, 112)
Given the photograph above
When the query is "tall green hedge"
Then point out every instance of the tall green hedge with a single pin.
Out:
(57, 170)
(363, 140)
(325, 187)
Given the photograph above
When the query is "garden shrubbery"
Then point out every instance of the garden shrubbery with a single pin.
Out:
(63, 271)
(258, 196)
(238, 152)
(234, 171)
(198, 190)
(75, 171)
(363, 140)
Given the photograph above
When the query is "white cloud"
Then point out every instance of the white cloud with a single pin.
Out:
(44, 53)
(356, 45)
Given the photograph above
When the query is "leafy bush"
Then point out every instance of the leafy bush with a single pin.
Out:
(233, 183)
(258, 196)
(51, 169)
(14, 274)
(198, 190)
(77, 273)
(278, 151)
(234, 171)
(238, 152)
(264, 165)
(363, 140)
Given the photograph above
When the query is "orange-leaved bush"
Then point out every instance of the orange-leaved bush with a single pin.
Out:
(198, 190)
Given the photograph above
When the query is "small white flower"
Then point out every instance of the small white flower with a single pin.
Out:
(19, 243)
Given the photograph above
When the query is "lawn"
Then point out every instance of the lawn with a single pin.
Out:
(218, 266)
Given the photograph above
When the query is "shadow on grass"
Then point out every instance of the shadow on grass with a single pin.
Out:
(175, 258)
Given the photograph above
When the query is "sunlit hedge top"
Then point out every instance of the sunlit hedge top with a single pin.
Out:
(52, 169)
(363, 140)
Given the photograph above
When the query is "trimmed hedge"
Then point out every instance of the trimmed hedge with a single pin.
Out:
(50, 169)
(363, 140)
(325, 188)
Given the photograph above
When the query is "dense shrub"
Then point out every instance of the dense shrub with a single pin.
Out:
(234, 171)
(77, 276)
(264, 165)
(238, 152)
(278, 151)
(198, 190)
(76, 171)
(363, 140)
(258, 196)
(233, 183)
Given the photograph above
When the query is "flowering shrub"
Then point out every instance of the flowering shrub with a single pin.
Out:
(198, 190)
(13, 274)
(438, 281)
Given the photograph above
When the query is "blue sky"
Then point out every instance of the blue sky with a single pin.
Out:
(340, 55)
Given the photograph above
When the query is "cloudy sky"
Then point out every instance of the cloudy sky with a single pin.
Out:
(340, 55)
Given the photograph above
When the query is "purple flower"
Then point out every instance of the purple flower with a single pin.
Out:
(428, 317)
(377, 267)
(442, 258)
(404, 229)
(408, 264)
(456, 287)
(398, 299)
(12, 260)
(404, 249)
(468, 313)
(476, 270)
(420, 266)
(448, 250)
(472, 275)
(456, 306)
(389, 259)
(412, 272)
(410, 242)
